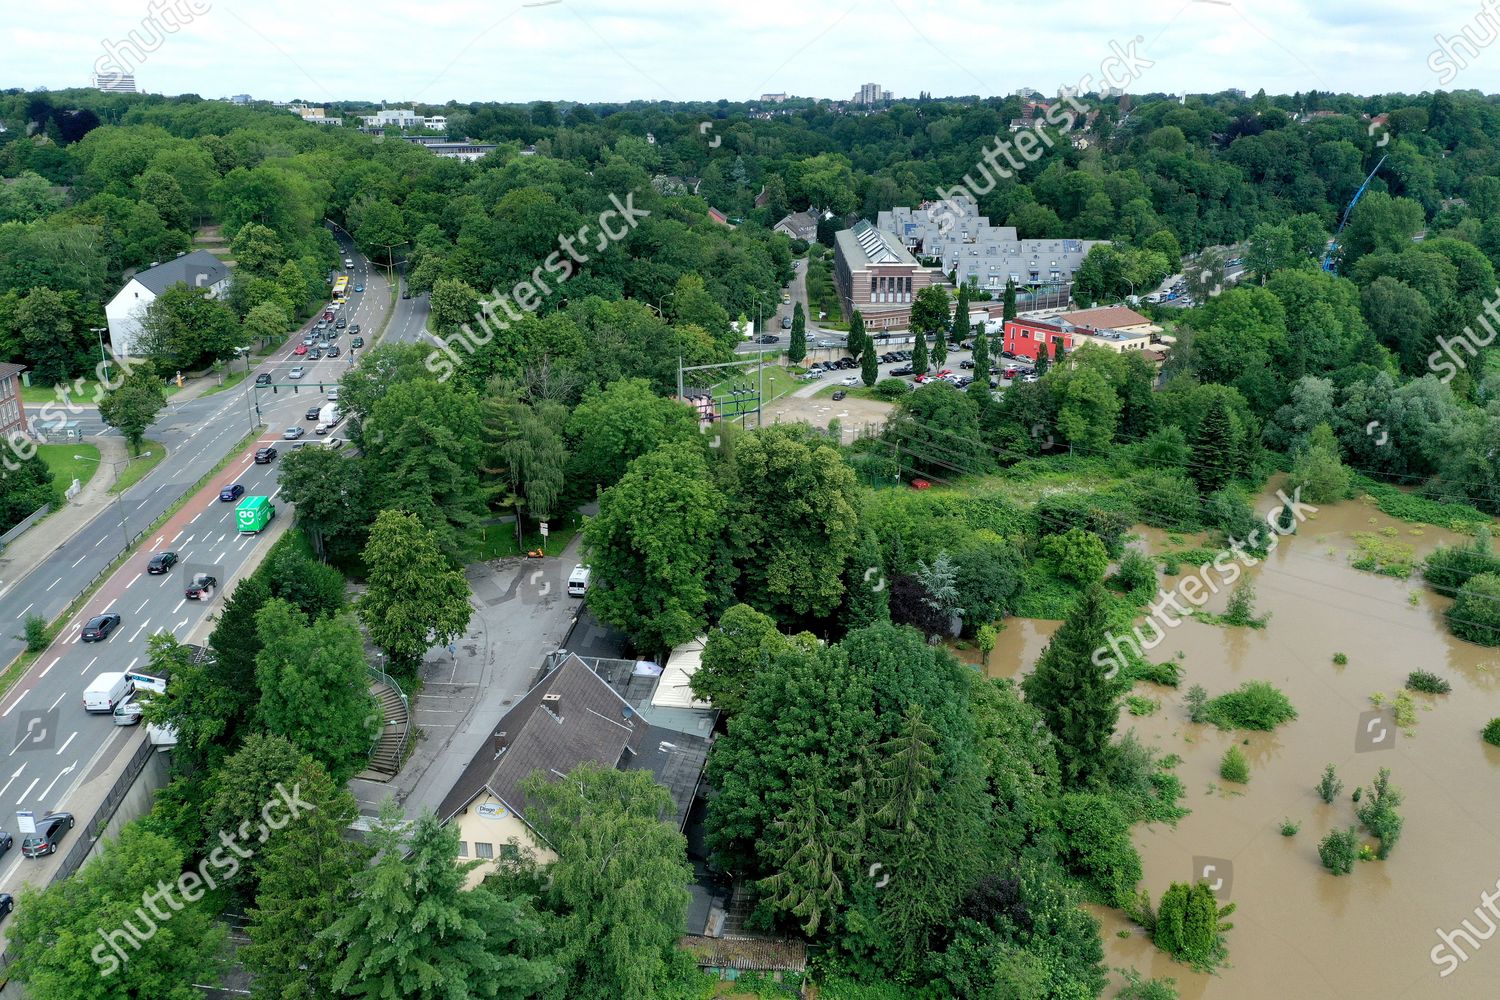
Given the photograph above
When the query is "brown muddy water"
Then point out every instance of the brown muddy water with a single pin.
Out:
(1299, 932)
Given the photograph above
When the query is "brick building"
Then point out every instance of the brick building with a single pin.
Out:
(878, 276)
(12, 413)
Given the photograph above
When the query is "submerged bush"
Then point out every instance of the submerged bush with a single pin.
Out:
(1475, 613)
(1338, 851)
(1427, 683)
(1492, 733)
(1253, 705)
(1234, 767)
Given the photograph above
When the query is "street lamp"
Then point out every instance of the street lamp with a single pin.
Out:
(120, 511)
(103, 358)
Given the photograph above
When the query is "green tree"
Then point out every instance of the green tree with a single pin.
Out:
(1089, 413)
(1078, 555)
(1009, 306)
(1338, 851)
(919, 355)
(652, 546)
(412, 932)
(265, 323)
(619, 884)
(808, 855)
(149, 949)
(415, 599)
(930, 317)
(869, 368)
(737, 649)
(1094, 838)
(693, 305)
(246, 781)
(1378, 813)
(184, 327)
(306, 883)
(1216, 448)
(331, 495)
(1475, 613)
(960, 331)
(1076, 695)
(609, 429)
(314, 689)
(858, 341)
(1318, 471)
(453, 304)
(798, 347)
(133, 407)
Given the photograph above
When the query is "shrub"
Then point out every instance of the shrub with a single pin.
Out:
(1329, 785)
(1288, 828)
(892, 388)
(1241, 608)
(37, 635)
(1449, 567)
(1427, 683)
(1077, 555)
(1229, 510)
(1096, 846)
(1167, 500)
(1234, 767)
(1253, 705)
(1338, 851)
(1475, 613)
(1317, 470)
(1141, 706)
(1340, 659)
(1136, 575)
(1136, 988)
(1492, 732)
(1167, 674)
(1379, 815)
(1189, 924)
(1197, 703)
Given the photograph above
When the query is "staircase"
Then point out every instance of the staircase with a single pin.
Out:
(390, 744)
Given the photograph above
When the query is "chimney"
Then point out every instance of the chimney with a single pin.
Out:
(553, 704)
(502, 742)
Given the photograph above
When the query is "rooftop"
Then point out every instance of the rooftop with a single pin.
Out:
(199, 268)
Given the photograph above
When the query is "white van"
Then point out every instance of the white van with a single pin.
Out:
(105, 692)
(578, 581)
(145, 682)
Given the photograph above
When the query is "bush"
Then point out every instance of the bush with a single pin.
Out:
(1427, 683)
(1077, 555)
(1141, 706)
(1447, 569)
(1475, 613)
(1136, 988)
(1340, 659)
(1379, 816)
(1167, 500)
(1338, 851)
(38, 635)
(1167, 674)
(1240, 610)
(1197, 704)
(1253, 705)
(1095, 845)
(1317, 470)
(1189, 924)
(1289, 829)
(1234, 767)
(892, 388)
(1329, 785)
(1136, 575)
(1229, 510)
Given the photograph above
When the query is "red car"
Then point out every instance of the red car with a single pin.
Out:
(328, 315)
(944, 373)
(920, 484)
(300, 349)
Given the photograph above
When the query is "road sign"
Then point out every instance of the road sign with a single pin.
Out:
(544, 529)
(26, 821)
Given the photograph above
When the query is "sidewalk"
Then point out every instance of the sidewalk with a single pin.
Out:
(30, 550)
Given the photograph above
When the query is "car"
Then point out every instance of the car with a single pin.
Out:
(348, 261)
(161, 562)
(1030, 377)
(98, 628)
(944, 373)
(964, 382)
(406, 293)
(353, 327)
(769, 339)
(924, 379)
(848, 363)
(300, 350)
(826, 343)
(1006, 354)
(202, 587)
(786, 322)
(810, 376)
(851, 380)
(312, 412)
(357, 342)
(7, 903)
(903, 370)
(321, 324)
(333, 350)
(342, 322)
(328, 315)
(231, 492)
(264, 378)
(310, 339)
(265, 456)
(316, 354)
(359, 288)
(334, 307)
(297, 372)
(920, 484)
(333, 394)
(840, 394)
(49, 831)
(786, 297)
(293, 433)
(966, 363)
(323, 428)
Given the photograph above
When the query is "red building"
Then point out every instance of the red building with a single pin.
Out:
(1024, 338)
(12, 413)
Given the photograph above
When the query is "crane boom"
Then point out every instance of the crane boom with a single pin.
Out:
(1334, 243)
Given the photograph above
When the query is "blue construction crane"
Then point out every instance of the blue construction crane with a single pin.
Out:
(1333, 244)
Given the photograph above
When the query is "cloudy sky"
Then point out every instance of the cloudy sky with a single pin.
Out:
(597, 50)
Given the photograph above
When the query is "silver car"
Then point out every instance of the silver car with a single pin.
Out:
(296, 372)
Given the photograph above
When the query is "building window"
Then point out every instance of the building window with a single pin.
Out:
(510, 852)
(463, 848)
(483, 849)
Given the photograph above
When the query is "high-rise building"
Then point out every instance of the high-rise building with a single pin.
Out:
(870, 94)
(113, 83)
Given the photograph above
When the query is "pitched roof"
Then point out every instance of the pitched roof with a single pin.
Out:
(199, 268)
(1106, 318)
(746, 954)
(9, 369)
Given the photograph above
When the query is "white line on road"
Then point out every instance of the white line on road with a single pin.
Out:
(143, 605)
(34, 783)
(65, 745)
(23, 612)
(61, 774)
(48, 668)
(6, 787)
(99, 543)
(179, 605)
(244, 543)
(12, 707)
(132, 664)
(140, 630)
(132, 581)
(175, 537)
(179, 625)
(54, 583)
(80, 559)
(58, 701)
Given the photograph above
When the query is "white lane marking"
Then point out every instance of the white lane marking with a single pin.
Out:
(273, 493)
(58, 701)
(54, 583)
(175, 537)
(12, 706)
(179, 625)
(24, 610)
(49, 668)
(70, 739)
(92, 662)
(110, 605)
(140, 630)
(80, 559)
(244, 543)
(143, 605)
(6, 787)
(132, 581)
(189, 538)
(179, 605)
(61, 774)
(132, 664)
(34, 783)
(99, 542)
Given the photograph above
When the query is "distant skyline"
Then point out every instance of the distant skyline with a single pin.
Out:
(674, 50)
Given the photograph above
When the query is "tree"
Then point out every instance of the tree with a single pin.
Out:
(982, 370)
(858, 341)
(1089, 412)
(694, 305)
(1378, 813)
(1078, 555)
(331, 495)
(1009, 307)
(152, 947)
(808, 856)
(737, 649)
(619, 884)
(306, 883)
(652, 547)
(1338, 851)
(133, 407)
(609, 429)
(1475, 613)
(985, 639)
(919, 355)
(798, 347)
(929, 318)
(314, 689)
(1317, 470)
(265, 323)
(1075, 694)
(1216, 447)
(412, 932)
(184, 327)
(244, 783)
(415, 598)
(960, 330)
(453, 304)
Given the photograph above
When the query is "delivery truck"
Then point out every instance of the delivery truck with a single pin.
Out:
(105, 692)
(253, 514)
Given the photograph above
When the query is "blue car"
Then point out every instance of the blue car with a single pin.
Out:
(230, 493)
(359, 288)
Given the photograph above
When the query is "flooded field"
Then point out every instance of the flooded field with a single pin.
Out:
(1301, 933)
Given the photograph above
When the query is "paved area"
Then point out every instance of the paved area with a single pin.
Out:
(521, 613)
(28, 551)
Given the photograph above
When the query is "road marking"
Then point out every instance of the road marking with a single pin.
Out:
(110, 605)
(139, 631)
(179, 605)
(273, 494)
(24, 610)
(58, 701)
(99, 543)
(132, 581)
(48, 668)
(80, 559)
(175, 537)
(34, 783)
(12, 706)
(54, 583)
(132, 664)
(92, 662)
(143, 605)
(179, 625)
(157, 543)
(69, 740)
(244, 543)
(61, 774)
(6, 787)
(189, 538)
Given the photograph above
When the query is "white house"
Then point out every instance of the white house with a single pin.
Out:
(127, 309)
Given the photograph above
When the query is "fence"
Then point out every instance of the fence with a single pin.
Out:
(387, 679)
(25, 524)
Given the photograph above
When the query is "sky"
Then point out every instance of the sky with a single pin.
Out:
(688, 50)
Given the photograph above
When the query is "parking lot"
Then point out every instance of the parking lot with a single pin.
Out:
(957, 368)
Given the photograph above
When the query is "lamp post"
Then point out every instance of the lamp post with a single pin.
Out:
(100, 331)
(120, 511)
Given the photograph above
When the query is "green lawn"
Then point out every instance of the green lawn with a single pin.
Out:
(230, 381)
(857, 391)
(39, 393)
(65, 468)
(498, 541)
(152, 452)
(779, 382)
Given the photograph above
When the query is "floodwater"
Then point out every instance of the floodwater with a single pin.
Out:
(1300, 933)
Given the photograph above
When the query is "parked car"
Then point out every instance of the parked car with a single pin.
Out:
(966, 363)
(264, 378)
(964, 382)
(231, 493)
(903, 370)
(7, 903)
(1011, 371)
(265, 456)
(293, 433)
(840, 394)
(161, 562)
(769, 338)
(297, 372)
(1030, 377)
(49, 832)
(357, 342)
(202, 586)
(98, 628)
(1006, 354)
(851, 380)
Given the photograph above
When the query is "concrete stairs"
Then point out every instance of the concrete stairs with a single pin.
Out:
(390, 745)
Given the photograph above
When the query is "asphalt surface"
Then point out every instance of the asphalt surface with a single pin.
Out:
(48, 739)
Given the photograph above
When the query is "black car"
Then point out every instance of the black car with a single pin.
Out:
(847, 363)
(840, 394)
(406, 293)
(265, 456)
(333, 351)
(341, 323)
(7, 903)
(202, 586)
(49, 832)
(1006, 354)
(161, 562)
(231, 493)
(966, 363)
(316, 354)
(264, 378)
(353, 327)
(357, 341)
(98, 628)
(6, 842)
(312, 412)
(768, 339)
(903, 370)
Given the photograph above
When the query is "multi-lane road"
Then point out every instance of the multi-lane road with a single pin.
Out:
(47, 740)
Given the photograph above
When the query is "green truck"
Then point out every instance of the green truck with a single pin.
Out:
(254, 513)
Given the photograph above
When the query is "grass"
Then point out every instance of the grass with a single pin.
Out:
(860, 391)
(498, 541)
(230, 381)
(1382, 556)
(152, 453)
(84, 392)
(65, 469)
(779, 382)
(821, 295)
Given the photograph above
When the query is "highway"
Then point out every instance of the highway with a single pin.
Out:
(49, 742)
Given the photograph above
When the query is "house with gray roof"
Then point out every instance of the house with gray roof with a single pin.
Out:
(877, 275)
(127, 310)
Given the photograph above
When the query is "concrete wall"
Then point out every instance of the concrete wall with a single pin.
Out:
(138, 800)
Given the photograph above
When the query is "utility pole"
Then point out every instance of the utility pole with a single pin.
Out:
(103, 357)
